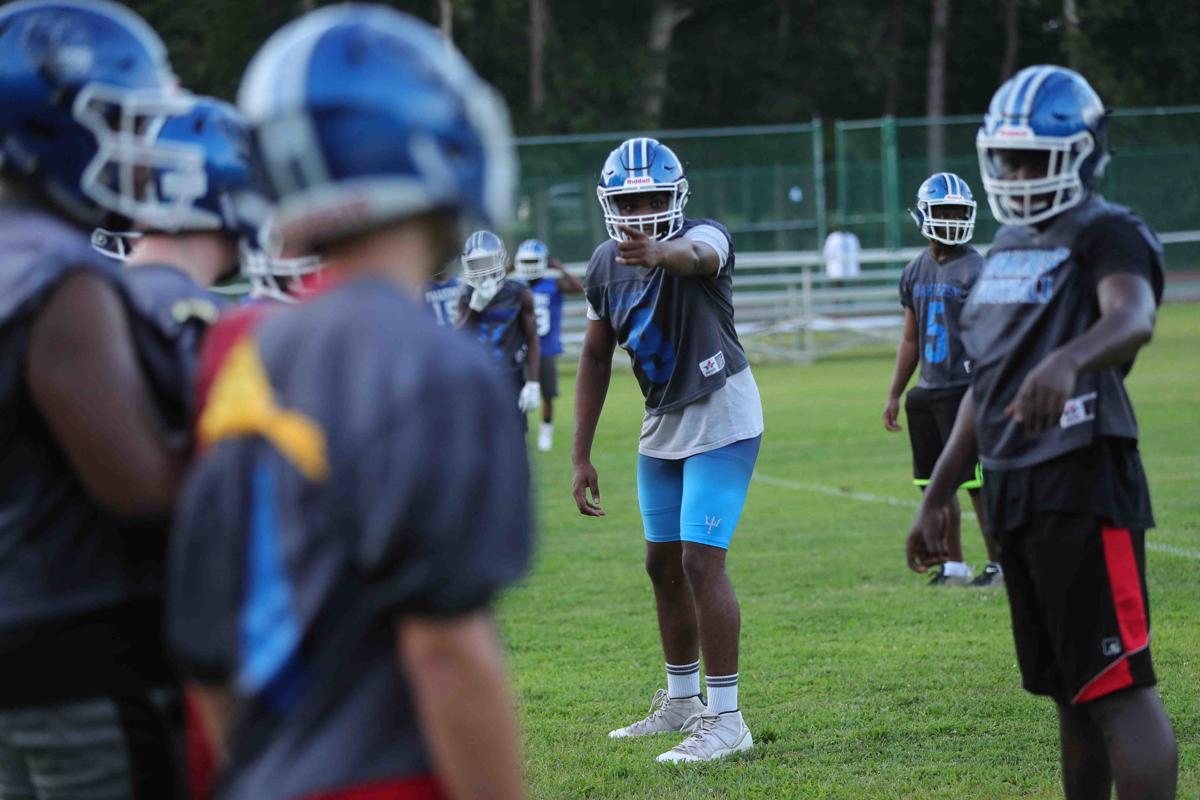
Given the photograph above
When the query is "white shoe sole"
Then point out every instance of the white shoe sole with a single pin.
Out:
(671, 757)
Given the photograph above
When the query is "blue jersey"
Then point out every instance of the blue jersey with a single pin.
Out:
(548, 308)
(442, 299)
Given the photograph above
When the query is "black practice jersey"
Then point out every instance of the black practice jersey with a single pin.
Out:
(1036, 293)
(678, 332)
(498, 327)
(936, 293)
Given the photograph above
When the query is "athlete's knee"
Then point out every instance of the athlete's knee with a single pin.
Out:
(663, 564)
(703, 564)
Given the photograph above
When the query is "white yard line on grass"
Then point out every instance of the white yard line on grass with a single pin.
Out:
(867, 497)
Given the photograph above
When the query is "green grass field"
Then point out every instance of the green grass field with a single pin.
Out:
(857, 680)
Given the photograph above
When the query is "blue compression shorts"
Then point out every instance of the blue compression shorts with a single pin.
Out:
(699, 498)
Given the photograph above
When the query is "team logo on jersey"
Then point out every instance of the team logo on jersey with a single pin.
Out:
(1078, 410)
(1019, 276)
(713, 364)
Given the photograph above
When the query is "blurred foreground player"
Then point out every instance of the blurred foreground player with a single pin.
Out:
(662, 288)
(88, 706)
(548, 281)
(498, 311)
(1067, 298)
(358, 502)
(933, 288)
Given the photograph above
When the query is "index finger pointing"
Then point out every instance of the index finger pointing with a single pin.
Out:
(632, 232)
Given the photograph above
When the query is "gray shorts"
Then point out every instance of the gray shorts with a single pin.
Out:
(548, 377)
(103, 748)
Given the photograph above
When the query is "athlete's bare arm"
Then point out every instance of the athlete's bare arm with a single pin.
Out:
(927, 540)
(567, 283)
(84, 377)
(456, 669)
(907, 359)
(532, 342)
(591, 387)
(680, 256)
(1127, 316)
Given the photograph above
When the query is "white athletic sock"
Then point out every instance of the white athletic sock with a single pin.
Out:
(956, 568)
(722, 693)
(547, 427)
(683, 680)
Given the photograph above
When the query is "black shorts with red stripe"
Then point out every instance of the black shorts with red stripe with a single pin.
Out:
(1080, 613)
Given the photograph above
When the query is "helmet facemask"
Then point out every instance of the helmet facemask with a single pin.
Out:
(1024, 200)
(660, 225)
(530, 268)
(936, 225)
(153, 183)
(481, 266)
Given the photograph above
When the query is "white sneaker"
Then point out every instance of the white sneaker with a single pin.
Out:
(716, 736)
(546, 436)
(680, 715)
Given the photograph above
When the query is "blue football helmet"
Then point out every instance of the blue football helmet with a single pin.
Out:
(484, 258)
(84, 88)
(364, 116)
(207, 199)
(638, 166)
(531, 260)
(1053, 112)
(940, 190)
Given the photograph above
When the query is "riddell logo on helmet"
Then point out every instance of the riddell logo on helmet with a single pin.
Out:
(1014, 132)
(639, 181)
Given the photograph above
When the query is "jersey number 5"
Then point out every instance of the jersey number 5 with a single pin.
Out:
(541, 312)
(937, 347)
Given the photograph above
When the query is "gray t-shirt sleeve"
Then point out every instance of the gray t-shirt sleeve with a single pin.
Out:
(711, 236)
(906, 286)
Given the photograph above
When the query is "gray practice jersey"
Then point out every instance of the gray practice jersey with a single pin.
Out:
(936, 293)
(678, 332)
(498, 326)
(345, 483)
(175, 313)
(1037, 292)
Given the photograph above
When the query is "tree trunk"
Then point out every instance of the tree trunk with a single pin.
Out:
(446, 18)
(783, 29)
(538, 23)
(891, 97)
(1012, 40)
(666, 18)
(1071, 33)
(935, 104)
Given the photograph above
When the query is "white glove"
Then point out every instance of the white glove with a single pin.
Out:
(531, 397)
(483, 294)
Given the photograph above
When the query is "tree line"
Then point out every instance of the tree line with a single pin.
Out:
(620, 65)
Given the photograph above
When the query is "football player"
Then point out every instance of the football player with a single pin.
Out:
(173, 265)
(356, 504)
(933, 288)
(548, 282)
(88, 704)
(498, 311)
(441, 296)
(662, 287)
(1067, 297)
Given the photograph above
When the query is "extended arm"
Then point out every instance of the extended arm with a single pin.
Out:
(927, 544)
(85, 379)
(529, 328)
(907, 359)
(456, 669)
(591, 387)
(567, 283)
(682, 257)
(1126, 323)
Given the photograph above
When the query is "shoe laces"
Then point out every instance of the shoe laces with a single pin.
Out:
(707, 724)
(658, 707)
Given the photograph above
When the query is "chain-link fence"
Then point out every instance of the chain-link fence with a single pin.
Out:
(880, 163)
(766, 184)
